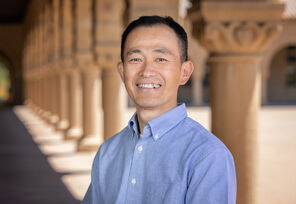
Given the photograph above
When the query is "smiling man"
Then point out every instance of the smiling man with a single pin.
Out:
(162, 156)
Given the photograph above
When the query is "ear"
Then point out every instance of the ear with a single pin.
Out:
(186, 71)
(120, 70)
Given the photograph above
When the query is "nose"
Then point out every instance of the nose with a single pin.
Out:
(147, 70)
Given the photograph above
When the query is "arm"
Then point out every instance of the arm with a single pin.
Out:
(212, 179)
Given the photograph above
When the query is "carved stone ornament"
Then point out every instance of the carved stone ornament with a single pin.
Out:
(239, 36)
(236, 27)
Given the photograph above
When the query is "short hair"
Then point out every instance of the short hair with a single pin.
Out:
(150, 21)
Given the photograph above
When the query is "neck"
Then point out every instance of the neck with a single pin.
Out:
(145, 115)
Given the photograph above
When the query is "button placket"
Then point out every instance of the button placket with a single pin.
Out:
(136, 162)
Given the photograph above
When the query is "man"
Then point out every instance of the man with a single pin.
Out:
(162, 156)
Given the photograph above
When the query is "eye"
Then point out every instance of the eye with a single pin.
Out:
(135, 60)
(160, 59)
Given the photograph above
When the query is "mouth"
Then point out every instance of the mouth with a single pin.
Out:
(148, 86)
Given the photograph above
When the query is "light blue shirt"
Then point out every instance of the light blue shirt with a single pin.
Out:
(176, 160)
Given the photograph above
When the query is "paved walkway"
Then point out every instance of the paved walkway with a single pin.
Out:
(26, 176)
(41, 167)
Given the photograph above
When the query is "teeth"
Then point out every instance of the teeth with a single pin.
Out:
(148, 86)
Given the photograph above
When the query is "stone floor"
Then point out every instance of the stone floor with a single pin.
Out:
(38, 166)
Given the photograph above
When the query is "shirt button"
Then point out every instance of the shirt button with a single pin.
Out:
(156, 137)
(140, 148)
(134, 181)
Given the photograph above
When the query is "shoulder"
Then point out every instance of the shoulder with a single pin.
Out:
(111, 144)
(202, 141)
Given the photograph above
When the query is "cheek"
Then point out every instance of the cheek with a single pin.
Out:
(129, 78)
(172, 77)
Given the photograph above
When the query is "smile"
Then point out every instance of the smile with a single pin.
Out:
(149, 86)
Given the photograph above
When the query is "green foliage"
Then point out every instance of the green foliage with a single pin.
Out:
(4, 82)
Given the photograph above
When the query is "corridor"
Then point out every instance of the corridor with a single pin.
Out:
(26, 177)
(39, 166)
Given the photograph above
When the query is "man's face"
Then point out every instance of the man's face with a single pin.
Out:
(152, 70)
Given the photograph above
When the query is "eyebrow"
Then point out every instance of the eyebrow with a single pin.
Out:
(163, 51)
(158, 50)
(133, 52)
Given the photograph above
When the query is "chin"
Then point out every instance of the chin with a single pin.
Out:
(147, 104)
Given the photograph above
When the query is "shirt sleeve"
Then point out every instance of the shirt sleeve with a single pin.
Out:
(92, 196)
(212, 180)
(88, 196)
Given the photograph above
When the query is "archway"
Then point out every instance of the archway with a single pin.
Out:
(282, 76)
(4, 84)
(7, 76)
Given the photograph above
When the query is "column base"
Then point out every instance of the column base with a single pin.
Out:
(73, 133)
(89, 143)
(62, 125)
(45, 115)
(39, 111)
(53, 119)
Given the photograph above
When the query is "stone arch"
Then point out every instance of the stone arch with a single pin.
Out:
(281, 83)
(4, 59)
(286, 38)
(275, 50)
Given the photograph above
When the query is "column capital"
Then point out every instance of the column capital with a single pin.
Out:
(229, 27)
(84, 60)
(107, 56)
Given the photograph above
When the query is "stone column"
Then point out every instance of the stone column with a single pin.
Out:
(236, 38)
(53, 118)
(58, 68)
(39, 95)
(108, 31)
(114, 102)
(159, 7)
(92, 114)
(45, 98)
(75, 105)
(91, 77)
(63, 122)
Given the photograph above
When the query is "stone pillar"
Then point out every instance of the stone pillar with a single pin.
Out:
(53, 117)
(235, 101)
(74, 101)
(108, 31)
(63, 122)
(75, 106)
(92, 114)
(91, 77)
(160, 7)
(45, 98)
(39, 95)
(58, 69)
(236, 38)
(114, 102)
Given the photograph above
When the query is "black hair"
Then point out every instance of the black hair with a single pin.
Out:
(158, 20)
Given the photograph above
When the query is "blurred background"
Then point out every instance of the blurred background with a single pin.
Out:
(61, 96)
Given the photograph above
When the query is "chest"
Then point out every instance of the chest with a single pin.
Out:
(147, 171)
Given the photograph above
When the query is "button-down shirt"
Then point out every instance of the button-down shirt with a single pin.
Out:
(176, 160)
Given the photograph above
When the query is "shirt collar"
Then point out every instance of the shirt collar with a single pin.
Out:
(133, 124)
(161, 124)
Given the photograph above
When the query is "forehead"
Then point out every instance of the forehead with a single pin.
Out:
(152, 36)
